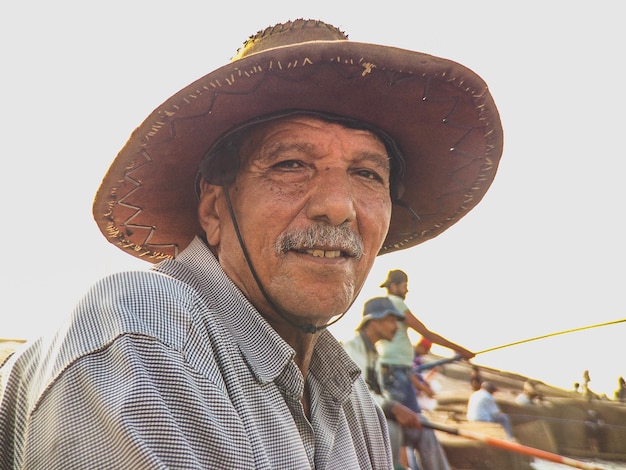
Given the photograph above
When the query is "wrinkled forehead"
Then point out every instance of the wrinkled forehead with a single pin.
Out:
(303, 131)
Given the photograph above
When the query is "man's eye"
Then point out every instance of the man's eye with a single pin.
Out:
(289, 164)
(370, 175)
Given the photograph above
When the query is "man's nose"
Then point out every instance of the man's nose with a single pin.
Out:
(332, 197)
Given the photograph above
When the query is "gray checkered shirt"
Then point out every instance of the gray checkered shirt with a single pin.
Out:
(174, 368)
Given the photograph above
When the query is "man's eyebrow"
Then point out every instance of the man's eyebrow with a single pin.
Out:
(381, 159)
(272, 151)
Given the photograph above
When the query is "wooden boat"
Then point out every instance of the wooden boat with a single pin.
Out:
(564, 423)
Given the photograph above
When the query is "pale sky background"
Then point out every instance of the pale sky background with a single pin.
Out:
(543, 252)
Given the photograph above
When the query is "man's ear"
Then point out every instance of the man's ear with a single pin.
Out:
(208, 211)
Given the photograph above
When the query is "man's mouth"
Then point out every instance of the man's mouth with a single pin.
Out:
(323, 253)
(322, 241)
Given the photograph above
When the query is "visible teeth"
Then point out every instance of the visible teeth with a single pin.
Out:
(324, 254)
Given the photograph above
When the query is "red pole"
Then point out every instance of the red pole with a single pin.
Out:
(512, 446)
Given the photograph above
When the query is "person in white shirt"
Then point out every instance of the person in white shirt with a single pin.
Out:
(482, 406)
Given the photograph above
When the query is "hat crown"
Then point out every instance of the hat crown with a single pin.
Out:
(291, 32)
(378, 305)
(395, 276)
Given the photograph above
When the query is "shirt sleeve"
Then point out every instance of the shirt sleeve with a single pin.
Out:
(86, 420)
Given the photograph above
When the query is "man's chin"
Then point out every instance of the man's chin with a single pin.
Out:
(317, 317)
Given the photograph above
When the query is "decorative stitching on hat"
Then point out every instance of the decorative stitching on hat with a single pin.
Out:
(144, 250)
(486, 168)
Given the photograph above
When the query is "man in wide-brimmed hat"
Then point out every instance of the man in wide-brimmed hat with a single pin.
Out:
(264, 190)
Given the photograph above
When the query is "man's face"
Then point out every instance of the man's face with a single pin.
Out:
(399, 289)
(301, 173)
(387, 327)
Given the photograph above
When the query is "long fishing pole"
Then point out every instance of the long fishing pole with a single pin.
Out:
(432, 364)
(552, 334)
(511, 446)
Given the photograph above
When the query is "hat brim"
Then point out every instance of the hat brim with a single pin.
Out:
(380, 315)
(440, 114)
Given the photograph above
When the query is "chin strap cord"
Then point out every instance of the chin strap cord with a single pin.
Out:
(307, 328)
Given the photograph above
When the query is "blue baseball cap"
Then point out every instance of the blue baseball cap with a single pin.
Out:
(377, 308)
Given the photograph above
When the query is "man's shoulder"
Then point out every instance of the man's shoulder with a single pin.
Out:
(398, 302)
(354, 345)
(135, 306)
(353, 341)
(141, 313)
(138, 289)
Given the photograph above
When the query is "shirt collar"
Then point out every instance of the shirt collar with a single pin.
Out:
(264, 350)
(333, 367)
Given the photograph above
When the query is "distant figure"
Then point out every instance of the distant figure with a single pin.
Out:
(396, 355)
(588, 394)
(476, 379)
(594, 427)
(529, 395)
(482, 406)
(576, 387)
(620, 393)
(421, 348)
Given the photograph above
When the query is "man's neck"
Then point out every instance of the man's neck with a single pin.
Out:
(301, 342)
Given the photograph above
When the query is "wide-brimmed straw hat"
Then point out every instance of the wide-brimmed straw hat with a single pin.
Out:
(439, 113)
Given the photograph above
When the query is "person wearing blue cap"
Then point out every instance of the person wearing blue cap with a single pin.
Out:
(380, 321)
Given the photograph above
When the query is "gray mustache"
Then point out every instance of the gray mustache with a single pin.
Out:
(338, 237)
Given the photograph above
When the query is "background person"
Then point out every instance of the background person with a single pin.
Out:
(482, 406)
(529, 395)
(380, 321)
(620, 392)
(476, 379)
(587, 393)
(422, 386)
(397, 355)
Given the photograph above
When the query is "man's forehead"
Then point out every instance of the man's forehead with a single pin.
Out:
(302, 131)
(301, 123)
(390, 318)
